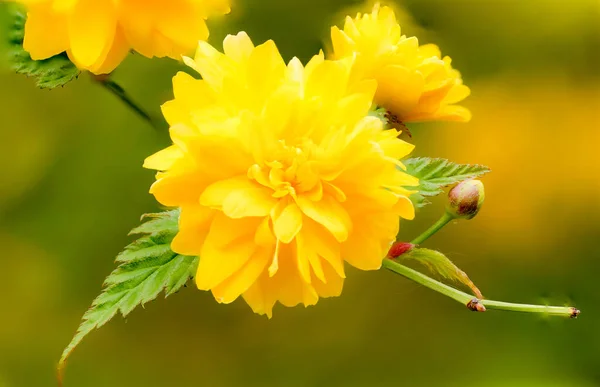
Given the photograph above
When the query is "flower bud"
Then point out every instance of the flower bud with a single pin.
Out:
(465, 199)
(400, 248)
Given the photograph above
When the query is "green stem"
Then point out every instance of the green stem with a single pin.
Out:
(437, 226)
(527, 308)
(471, 302)
(118, 91)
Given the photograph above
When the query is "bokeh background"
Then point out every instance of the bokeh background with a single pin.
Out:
(72, 186)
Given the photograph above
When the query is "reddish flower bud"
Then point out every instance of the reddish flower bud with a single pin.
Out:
(399, 248)
(465, 199)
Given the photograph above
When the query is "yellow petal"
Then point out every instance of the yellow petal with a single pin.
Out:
(328, 79)
(230, 289)
(39, 43)
(116, 54)
(287, 286)
(92, 27)
(238, 197)
(164, 159)
(211, 64)
(342, 44)
(332, 287)
(399, 89)
(445, 113)
(239, 47)
(288, 223)
(457, 94)
(405, 208)
(367, 246)
(324, 245)
(174, 190)
(182, 25)
(307, 258)
(256, 298)
(63, 5)
(194, 224)
(192, 92)
(228, 246)
(265, 69)
(329, 213)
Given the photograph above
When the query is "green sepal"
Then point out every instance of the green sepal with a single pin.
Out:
(435, 174)
(438, 263)
(48, 73)
(147, 267)
(380, 113)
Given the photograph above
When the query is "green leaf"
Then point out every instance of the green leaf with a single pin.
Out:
(435, 174)
(438, 263)
(49, 73)
(146, 268)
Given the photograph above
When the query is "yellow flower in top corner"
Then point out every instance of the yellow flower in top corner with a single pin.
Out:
(98, 34)
(414, 82)
(280, 174)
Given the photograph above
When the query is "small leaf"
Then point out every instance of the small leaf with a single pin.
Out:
(49, 73)
(438, 263)
(147, 267)
(435, 174)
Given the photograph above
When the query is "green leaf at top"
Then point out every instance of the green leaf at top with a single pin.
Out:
(146, 267)
(49, 73)
(435, 174)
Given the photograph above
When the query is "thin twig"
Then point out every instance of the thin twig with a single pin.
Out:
(118, 91)
(472, 303)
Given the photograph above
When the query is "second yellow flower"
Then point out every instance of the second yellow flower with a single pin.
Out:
(98, 34)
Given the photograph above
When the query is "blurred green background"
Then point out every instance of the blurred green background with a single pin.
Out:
(72, 186)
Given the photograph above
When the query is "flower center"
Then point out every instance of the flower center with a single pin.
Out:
(288, 171)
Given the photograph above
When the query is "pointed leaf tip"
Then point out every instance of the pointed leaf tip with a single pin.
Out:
(146, 267)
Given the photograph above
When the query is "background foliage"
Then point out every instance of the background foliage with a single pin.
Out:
(72, 187)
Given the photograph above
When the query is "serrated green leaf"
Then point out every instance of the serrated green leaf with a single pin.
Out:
(435, 174)
(438, 263)
(49, 73)
(419, 201)
(147, 267)
(157, 223)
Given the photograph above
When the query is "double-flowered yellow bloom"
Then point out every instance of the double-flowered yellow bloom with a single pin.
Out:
(98, 34)
(280, 174)
(414, 82)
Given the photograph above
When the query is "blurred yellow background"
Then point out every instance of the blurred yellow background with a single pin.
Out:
(72, 186)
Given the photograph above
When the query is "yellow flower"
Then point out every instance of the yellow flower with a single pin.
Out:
(98, 34)
(279, 173)
(414, 82)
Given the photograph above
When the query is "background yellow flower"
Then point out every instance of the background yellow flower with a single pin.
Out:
(98, 34)
(280, 175)
(415, 83)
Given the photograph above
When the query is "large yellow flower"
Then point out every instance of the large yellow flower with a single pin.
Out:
(98, 34)
(414, 82)
(279, 173)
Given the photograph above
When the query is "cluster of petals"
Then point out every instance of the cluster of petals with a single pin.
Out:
(98, 34)
(281, 175)
(415, 83)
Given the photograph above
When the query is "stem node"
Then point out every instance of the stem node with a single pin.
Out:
(475, 306)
